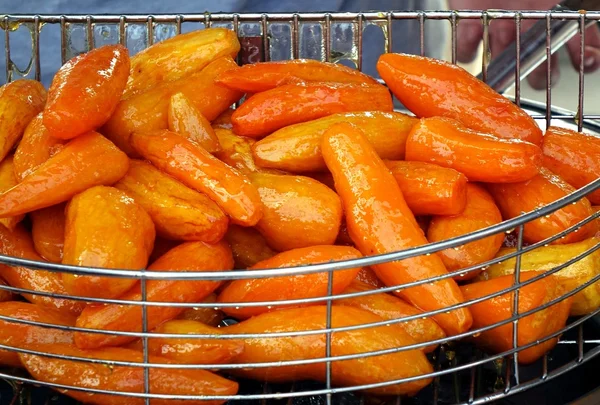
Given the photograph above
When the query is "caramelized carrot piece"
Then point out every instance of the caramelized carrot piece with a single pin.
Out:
(289, 287)
(189, 256)
(480, 212)
(513, 199)
(48, 232)
(368, 277)
(81, 164)
(223, 120)
(236, 150)
(430, 87)
(479, 156)
(297, 148)
(37, 146)
(430, 189)
(122, 378)
(187, 121)
(5, 295)
(532, 327)
(297, 211)
(149, 111)
(105, 228)
(20, 102)
(290, 104)
(198, 169)
(574, 156)
(24, 336)
(7, 181)
(205, 315)
(248, 246)
(177, 211)
(85, 91)
(263, 76)
(18, 243)
(379, 221)
(178, 57)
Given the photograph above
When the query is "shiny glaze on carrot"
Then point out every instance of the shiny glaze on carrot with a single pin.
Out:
(273, 109)
(480, 212)
(430, 87)
(206, 315)
(236, 150)
(379, 221)
(574, 156)
(289, 287)
(297, 148)
(189, 256)
(7, 181)
(248, 246)
(48, 232)
(198, 169)
(85, 91)
(479, 156)
(18, 243)
(187, 121)
(81, 164)
(430, 189)
(516, 198)
(263, 76)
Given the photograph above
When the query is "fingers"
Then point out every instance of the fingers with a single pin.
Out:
(469, 32)
(537, 78)
(591, 59)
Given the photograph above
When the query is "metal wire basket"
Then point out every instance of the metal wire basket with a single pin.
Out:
(281, 36)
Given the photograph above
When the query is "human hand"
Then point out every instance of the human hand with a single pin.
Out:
(502, 33)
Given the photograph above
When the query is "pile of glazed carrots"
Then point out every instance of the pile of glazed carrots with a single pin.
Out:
(141, 163)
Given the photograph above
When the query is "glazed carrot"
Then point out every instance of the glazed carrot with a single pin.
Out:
(297, 148)
(149, 111)
(85, 91)
(18, 243)
(430, 87)
(290, 104)
(379, 221)
(532, 327)
(48, 232)
(546, 258)
(198, 169)
(23, 336)
(478, 156)
(177, 211)
(262, 76)
(289, 287)
(430, 189)
(205, 315)
(187, 121)
(162, 246)
(20, 102)
(5, 295)
(36, 146)
(7, 181)
(81, 164)
(368, 277)
(122, 378)
(480, 212)
(189, 256)
(105, 228)
(193, 351)
(574, 156)
(368, 370)
(391, 307)
(248, 246)
(297, 211)
(223, 120)
(236, 150)
(178, 57)
(513, 199)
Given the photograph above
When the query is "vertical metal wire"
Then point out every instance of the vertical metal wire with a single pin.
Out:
(179, 19)
(327, 36)
(36, 47)
(122, 31)
(581, 71)
(359, 41)
(89, 32)
(145, 339)
(548, 70)
(295, 37)
(580, 343)
(389, 32)
(486, 45)
(472, 384)
(507, 375)
(422, 33)
(265, 37)
(7, 50)
(328, 336)
(515, 336)
(518, 59)
(545, 367)
(63, 40)
(150, 30)
(207, 21)
(453, 29)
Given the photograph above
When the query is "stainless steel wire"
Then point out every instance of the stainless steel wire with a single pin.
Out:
(359, 21)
